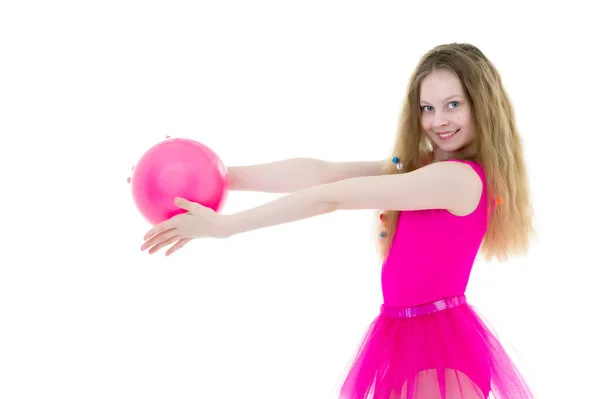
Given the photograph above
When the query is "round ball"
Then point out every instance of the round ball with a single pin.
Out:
(177, 168)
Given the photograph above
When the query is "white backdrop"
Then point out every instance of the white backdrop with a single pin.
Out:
(87, 87)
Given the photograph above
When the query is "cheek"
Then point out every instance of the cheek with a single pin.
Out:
(426, 122)
(468, 127)
(463, 118)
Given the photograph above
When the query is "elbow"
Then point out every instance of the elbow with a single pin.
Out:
(330, 207)
(324, 198)
(328, 173)
(330, 196)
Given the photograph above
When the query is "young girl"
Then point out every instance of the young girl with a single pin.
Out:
(461, 186)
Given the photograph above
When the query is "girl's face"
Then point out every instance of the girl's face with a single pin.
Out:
(445, 112)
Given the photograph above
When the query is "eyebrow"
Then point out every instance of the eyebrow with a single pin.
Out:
(446, 99)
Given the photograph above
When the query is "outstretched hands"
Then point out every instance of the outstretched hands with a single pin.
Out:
(198, 222)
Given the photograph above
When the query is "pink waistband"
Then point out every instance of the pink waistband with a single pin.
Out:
(420, 310)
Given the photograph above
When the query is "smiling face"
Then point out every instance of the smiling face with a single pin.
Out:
(445, 113)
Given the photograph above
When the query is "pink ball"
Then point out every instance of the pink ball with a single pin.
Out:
(177, 168)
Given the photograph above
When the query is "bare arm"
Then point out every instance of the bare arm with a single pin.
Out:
(443, 185)
(295, 174)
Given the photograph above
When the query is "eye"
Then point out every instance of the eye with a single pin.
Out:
(426, 108)
(453, 104)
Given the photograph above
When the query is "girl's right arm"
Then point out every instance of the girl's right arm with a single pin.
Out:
(294, 174)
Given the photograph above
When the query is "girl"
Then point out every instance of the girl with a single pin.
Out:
(461, 187)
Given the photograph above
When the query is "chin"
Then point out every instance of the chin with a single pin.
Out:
(447, 147)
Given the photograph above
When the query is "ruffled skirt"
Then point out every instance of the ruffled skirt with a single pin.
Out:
(441, 350)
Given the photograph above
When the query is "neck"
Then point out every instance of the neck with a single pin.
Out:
(440, 155)
(466, 151)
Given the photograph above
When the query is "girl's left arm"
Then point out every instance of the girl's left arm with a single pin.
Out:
(453, 186)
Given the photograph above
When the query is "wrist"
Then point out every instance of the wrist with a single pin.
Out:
(226, 226)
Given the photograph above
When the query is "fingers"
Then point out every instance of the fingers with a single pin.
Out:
(158, 239)
(161, 227)
(162, 244)
(180, 244)
(187, 205)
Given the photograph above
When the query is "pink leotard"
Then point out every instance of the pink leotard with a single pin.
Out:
(433, 253)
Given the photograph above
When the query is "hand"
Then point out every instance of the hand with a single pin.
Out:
(198, 222)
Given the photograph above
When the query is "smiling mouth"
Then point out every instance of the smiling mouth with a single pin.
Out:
(447, 135)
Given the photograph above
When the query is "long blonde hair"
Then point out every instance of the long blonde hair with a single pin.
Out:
(497, 147)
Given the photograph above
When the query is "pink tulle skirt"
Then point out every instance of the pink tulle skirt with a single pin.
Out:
(441, 350)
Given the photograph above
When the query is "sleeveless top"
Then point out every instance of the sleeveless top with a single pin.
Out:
(432, 252)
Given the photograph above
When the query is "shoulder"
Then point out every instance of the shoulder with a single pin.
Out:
(455, 169)
(467, 169)
(472, 179)
(468, 164)
(463, 182)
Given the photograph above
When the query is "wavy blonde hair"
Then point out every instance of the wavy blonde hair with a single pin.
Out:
(497, 147)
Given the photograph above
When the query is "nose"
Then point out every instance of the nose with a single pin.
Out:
(440, 120)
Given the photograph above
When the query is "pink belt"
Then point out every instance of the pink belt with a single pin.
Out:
(420, 310)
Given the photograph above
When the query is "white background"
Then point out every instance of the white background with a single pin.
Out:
(87, 87)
